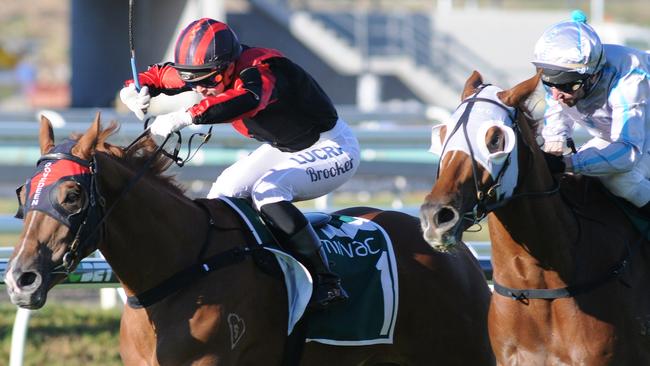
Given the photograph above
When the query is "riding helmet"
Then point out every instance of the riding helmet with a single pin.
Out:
(569, 51)
(206, 45)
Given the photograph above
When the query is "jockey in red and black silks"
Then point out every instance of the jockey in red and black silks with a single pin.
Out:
(307, 151)
(271, 99)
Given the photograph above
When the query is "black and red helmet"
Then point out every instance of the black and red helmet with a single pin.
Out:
(205, 46)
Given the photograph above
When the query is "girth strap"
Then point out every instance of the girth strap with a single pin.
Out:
(556, 293)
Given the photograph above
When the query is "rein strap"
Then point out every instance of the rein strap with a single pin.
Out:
(188, 275)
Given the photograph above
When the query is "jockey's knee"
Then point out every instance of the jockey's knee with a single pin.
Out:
(228, 187)
(264, 193)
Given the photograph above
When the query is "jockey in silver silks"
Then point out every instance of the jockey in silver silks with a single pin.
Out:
(605, 89)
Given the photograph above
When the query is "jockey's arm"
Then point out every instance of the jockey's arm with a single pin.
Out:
(161, 79)
(251, 93)
(616, 157)
(627, 135)
(558, 127)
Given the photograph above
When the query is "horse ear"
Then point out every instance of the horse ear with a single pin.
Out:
(471, 84)
(45, 135)
(85, 147)
(516, 94)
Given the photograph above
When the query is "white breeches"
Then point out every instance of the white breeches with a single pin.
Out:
(269, 175)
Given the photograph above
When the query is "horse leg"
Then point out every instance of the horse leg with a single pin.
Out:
(136, 338)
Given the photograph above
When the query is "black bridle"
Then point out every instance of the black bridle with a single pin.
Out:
(84, 223)
(487, 199)
(92, 217)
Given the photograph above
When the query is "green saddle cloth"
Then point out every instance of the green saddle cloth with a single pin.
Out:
(361, 253)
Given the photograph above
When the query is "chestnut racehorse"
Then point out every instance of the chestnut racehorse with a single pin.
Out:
(116, 200)
(572, 285)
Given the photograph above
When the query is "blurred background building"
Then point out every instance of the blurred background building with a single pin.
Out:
(393, 68)
(371, 54)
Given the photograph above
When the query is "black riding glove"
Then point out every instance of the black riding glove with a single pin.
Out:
(555, 163)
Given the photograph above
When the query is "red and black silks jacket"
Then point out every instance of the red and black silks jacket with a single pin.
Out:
(271, 99)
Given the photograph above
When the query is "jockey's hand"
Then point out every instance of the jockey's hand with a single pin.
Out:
(556, 163)
(138, 102)
(165, 124)
(554, 146)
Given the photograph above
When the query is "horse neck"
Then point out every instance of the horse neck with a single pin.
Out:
(153, 230)
(532, 234)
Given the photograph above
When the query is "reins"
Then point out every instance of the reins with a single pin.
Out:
(177, 147)
(72, 254)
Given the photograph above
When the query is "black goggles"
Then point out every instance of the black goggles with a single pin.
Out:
(570, 87)
(211, 81)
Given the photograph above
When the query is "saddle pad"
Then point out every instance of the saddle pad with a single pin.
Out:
(361, 253)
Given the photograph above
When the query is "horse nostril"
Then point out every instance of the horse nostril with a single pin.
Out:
(26, 279)
(444, 215)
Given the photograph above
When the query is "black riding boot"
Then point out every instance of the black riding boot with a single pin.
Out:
(296, 235)
(327, 290)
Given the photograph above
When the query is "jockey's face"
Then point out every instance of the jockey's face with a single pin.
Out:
(569, 94)
(568, 98)
(212, 90)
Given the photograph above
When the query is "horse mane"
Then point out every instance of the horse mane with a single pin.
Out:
(524, 115)
(531, 110)
(137, 156)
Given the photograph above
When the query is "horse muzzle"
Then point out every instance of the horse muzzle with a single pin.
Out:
(26, 287)
(439, 225)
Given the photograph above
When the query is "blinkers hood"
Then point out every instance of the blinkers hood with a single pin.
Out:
(41, 190)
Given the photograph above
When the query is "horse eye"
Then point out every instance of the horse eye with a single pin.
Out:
(496, 141)
(72, 196)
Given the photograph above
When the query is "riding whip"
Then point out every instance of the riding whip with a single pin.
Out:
(132, 46)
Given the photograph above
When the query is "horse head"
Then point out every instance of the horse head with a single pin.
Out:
(61, 209)
(480, 151)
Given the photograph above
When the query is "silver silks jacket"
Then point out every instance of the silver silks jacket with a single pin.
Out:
(616, 110)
